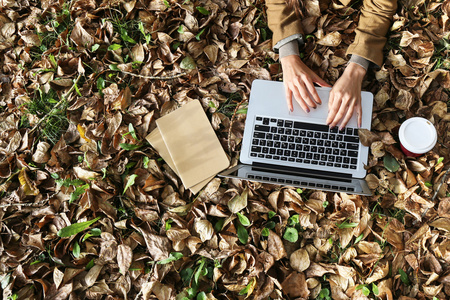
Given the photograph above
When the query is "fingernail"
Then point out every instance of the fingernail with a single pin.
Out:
(315, 107)
(307, 110)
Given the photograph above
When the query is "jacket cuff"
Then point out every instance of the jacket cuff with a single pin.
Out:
(290, 48)
(290, 39)
(359, 60)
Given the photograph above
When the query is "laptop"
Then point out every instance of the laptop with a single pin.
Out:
(298, 149)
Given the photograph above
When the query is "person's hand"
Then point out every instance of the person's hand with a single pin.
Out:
(299, 80)
(345, 97)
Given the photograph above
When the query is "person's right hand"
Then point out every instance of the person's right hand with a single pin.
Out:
(299, 80)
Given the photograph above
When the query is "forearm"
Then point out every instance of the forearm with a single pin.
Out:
(374, 23)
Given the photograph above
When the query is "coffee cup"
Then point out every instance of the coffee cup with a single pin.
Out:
(417, 136)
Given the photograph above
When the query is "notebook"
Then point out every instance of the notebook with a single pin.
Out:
(297, 148)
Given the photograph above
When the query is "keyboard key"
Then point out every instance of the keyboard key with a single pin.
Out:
(324, 157)
(332, 137)
(353, 167)
(262, 142)
(265, 150)
(313, 148)
(351, 139)
(355, 132)
(256, 149)
(253, 154)
(337, 165)
(342, 131)
(342, 145)
(309, 155)
(259, 135)
(328, 151)
(317, 135)
(272, 151)
(279, 152)
(255, 142)
(284, 158)
(291, 139)
(306, 148)
(287, 153)
(288, 131)
(266, 121)
(339, 137)
(314, 162)
(269, 136)
(334, 144)
(335, 151)
(258, 118)
(280, 130)
(294, 154)
(299, 160)
(310, 126)
(273, 120)
(291, 159)
(299, 147)
(260, 155)
(262, 128)
(273, 129)
(334, 129)
(351, 146)
(345, 166)
(277, 144)
(302, 154)
(288, 124)
(331, 158)
(284, 138)
(325, 136)
(353, 161)
(307, 161)
(280, 123)
(296, 132)
(292, 146)
(276, 157)
(349, 131)
(321, 150)
(319, 142)
(316, 156)
(322, 163)
(312, 141)
(352, 153)
(343, 153)
(276, 137)
(329, 164)
(305, 141)
(284, 145)
(309, 134)
(338, 159)
(327, 143)
(346, 160)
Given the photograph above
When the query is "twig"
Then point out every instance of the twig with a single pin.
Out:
(23, 204)
(155, 77)
(63, 98)
(231, 124)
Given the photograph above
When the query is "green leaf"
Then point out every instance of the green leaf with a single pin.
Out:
(347, 225)
(242, 234)
(324, 293)
(114, 67)
(201, 296)
(180, 29)
(365, 291)
(176, 45)
(325, 204)
(247, 288)
(93, 232)
(100, 84)
(211, 104)
(76, 249)
(203, 10)
(168, 224)
(242, 110)
(186, 275)
(294, 220)
(440, 159)
(243, 219)
(265, 232)
(390, 163)
(114, 47)
(166, 3)
(76, 228)
(130, 182)
(78, 192)
(403, 276)
(129, 146)
(199, 271)
(145, 161)
(299, 190)
(90, 265)
(173, 256)
(219, 225)
(375, 289)
(54, 175)
(359, 238)
(271, 214)
(291, 234)
(95, 47)
(188, 63)
(198, 35)
(126, 38)
(270, 225)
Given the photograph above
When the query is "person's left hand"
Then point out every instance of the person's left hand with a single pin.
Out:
(345, 97)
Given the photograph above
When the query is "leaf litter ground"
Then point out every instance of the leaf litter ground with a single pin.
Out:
(88, 210)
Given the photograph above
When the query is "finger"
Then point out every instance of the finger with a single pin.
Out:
(312, 90)
(289, 98)
(333, 106)
(304, 93)
(299, 98)
(320, 81)
(359, 112)
(340, 113)
(348, 116)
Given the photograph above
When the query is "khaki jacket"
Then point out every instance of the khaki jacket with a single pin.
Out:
(374, 22)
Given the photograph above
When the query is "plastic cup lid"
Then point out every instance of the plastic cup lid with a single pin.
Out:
(417, 135)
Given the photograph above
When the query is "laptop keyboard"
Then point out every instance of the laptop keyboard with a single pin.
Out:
(314, 144)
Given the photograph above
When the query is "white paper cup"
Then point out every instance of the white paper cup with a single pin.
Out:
(417, 136)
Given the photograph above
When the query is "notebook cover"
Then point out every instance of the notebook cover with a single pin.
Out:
(155, 139)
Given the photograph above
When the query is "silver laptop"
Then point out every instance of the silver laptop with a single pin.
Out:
(297, 148)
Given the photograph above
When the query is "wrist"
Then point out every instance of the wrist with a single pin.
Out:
(356, 71)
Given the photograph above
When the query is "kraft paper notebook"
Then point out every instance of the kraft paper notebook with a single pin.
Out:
(196, 154)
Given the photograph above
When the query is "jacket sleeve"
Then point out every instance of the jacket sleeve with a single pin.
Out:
(284, 23)
(374, 23)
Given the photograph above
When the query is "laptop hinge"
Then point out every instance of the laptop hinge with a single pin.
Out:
(303, 171)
